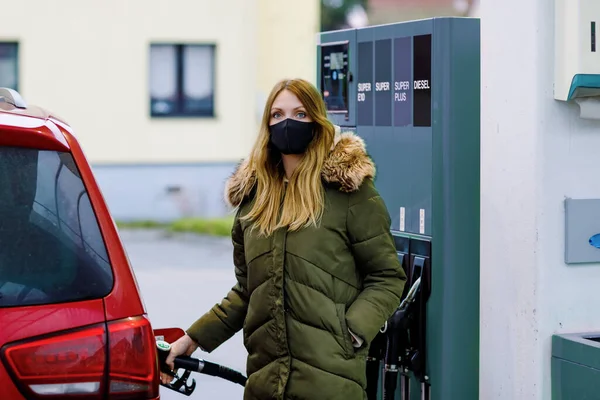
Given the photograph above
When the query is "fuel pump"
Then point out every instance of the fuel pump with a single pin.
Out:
(411, 91)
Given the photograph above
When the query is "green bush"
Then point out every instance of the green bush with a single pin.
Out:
(141, 224)
(214, 227)
(202, 226)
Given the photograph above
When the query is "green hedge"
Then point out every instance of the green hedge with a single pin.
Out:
(203, 226)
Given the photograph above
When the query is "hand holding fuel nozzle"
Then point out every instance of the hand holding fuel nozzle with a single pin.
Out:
(170, 358)
(185, 345)
(168, 361)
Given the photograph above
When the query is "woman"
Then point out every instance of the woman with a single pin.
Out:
(316, 267)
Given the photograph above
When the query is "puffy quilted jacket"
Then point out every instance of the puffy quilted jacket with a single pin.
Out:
(300, 294)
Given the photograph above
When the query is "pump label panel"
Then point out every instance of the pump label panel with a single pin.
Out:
(422, 80)
(383, 82)
(365, 89)
(402, 82)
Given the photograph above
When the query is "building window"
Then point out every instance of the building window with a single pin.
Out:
(9, 65)
(182, 80)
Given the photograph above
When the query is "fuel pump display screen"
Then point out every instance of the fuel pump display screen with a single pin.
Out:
(334, 76)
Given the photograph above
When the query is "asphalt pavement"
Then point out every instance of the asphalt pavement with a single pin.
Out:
(181, 276)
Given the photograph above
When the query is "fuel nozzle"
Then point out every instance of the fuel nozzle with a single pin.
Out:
(163, 349)
(376, 353)
(396, 332)
(188, 364)
(179, 383)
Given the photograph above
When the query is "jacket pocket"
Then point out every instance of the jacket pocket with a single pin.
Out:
(346, 338)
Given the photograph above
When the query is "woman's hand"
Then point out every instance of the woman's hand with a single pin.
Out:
(185, 345)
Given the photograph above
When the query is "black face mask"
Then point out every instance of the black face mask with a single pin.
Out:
(292, 137)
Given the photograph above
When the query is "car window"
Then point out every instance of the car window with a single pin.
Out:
(51, 248)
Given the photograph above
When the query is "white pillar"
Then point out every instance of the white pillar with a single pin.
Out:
(535, 151)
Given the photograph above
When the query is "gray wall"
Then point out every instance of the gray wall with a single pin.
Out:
(164, 192)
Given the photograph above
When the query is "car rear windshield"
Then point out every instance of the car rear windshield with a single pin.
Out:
(51, 248)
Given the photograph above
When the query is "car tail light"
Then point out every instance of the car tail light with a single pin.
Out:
(73, 365)
(132, 357)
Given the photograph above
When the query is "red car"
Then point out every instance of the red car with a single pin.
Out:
(72, 321)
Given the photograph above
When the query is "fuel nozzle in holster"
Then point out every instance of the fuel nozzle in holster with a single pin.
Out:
(405, 331)
(376, 354)
(397, 336)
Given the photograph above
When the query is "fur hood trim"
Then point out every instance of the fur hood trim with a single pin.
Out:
(347, 165)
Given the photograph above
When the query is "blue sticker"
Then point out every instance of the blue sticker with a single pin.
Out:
(595, 240)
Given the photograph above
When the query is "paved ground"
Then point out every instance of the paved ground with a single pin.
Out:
(181, 277)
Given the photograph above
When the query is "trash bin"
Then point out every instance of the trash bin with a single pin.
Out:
(576, 366)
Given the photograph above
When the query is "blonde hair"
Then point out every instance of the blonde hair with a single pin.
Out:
(301, 204)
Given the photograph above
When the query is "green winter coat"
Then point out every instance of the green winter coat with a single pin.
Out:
(299, 294)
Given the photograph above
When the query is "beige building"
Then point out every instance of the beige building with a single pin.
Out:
(164, 96)
(391, 11)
